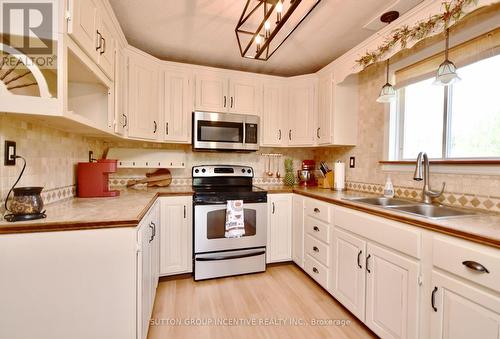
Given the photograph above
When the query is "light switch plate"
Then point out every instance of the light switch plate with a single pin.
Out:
(9, 153)
(352, 162)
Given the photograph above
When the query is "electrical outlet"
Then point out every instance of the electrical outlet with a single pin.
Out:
(9, 153)
(352, 162)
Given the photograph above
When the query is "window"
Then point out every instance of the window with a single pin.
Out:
(454, 122)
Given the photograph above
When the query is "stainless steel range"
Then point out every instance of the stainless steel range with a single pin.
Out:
(216, 255)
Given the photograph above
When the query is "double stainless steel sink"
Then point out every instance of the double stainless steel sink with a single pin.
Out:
(412, 207)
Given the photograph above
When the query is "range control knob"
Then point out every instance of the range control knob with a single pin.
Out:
(203, 170)
(249, 171)
(242, 170)
(196, 170)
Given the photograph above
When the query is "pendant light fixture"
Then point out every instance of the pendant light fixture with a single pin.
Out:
(447, 71)
(388, 93)
(264, 25)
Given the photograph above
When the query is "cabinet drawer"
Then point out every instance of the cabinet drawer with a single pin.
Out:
(317, 271)
(318, 210)
(450, 254)
(317, 229)
(316, 249)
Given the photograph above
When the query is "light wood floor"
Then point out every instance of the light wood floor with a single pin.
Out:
(282, 292)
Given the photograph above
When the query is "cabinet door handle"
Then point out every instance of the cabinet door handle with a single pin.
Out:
(359, 258)
(279, 134)
(316, 229)
(103, 47)
(156, 126)
(154, 229)
(152, 234)
(166, 128)
(224, 101)
(232, 102)
(125, 123)
(366, 264)
(315, 270)
(475, 266)
(315, 249)
(433, 299)
(290, 135)
(184, 211)
(316, 210)
(98, 40)
(274, 208)
(317, 132)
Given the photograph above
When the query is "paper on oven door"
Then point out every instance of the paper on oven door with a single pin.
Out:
(235, 223)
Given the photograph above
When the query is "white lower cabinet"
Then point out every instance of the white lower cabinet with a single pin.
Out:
(391, 293)
(298, 230)
(176, 251)
(279, 228)
(349, 279)
(461, 310)
(147, 268)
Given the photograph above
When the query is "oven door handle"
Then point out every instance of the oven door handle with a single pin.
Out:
(229, 257)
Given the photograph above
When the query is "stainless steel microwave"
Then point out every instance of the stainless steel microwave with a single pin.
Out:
(225, 131)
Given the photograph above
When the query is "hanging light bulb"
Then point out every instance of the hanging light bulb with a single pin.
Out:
(258, 41)
(267, 28)
(388, 93)
(447, 71)
(279, 11)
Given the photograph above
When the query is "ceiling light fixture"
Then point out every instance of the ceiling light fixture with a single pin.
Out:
(256, 26)
(447, 71)
(388, 93)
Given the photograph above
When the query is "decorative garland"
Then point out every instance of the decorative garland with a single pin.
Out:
(454, 11)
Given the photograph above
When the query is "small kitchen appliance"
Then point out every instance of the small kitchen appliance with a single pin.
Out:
(215, 254)
(306, 175)
(27, 203)
(93, 178)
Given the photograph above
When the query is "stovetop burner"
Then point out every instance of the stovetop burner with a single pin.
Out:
(215, 184)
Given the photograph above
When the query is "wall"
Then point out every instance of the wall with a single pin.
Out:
(51, 157)
(183, 176)
(464, 190)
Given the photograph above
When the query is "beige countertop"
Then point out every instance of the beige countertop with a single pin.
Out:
(126, 210)
(129, 208)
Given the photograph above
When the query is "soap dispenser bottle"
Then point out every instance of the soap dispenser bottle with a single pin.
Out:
(389, 188)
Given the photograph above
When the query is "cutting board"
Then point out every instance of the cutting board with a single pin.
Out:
(160, 178)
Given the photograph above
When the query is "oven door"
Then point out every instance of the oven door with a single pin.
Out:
(210, 228)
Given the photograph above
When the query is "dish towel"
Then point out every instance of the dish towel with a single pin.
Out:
(235, 223)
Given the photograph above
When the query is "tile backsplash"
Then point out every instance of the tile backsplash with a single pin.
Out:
(51, 157)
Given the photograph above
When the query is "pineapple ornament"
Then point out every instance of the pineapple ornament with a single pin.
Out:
(289, 179)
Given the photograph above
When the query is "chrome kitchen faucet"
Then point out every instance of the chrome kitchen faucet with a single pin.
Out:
(423, 174)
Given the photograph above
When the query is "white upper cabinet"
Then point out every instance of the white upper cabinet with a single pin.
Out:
(273, 122)
(82, 24)
(211, 92)
(90, 26)
(121, 89)
(217, 92)
(244, 95)
(106, 53)
(143, 100)
(177, 105)
(301, 106)
(323, 120)
(337, 114)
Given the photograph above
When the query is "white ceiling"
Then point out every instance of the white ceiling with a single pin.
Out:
(202, 32)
